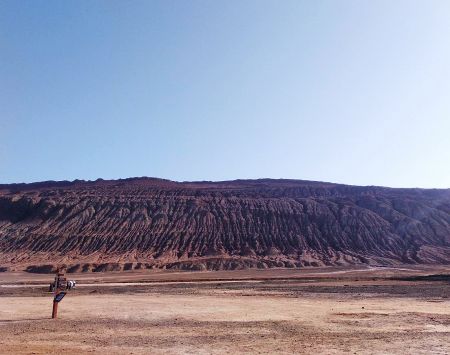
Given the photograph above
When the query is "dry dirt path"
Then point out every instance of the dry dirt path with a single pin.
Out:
(23, 279)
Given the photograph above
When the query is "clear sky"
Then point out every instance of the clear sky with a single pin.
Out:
(354, 92)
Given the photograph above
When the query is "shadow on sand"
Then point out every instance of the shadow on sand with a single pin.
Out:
(23, 320)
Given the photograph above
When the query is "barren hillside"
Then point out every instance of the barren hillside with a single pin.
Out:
(145, 223)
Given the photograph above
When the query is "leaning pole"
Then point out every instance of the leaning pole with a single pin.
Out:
(59, 285)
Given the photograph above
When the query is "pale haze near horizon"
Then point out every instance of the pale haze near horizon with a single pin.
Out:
(353, 92)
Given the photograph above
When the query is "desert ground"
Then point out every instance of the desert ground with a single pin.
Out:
(359, 310)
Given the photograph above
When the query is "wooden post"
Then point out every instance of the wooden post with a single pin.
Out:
(60, 283)
(55, 309)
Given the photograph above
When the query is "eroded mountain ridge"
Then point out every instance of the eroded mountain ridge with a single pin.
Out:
(147, 223)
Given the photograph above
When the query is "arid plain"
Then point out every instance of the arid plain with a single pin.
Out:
(402, 310)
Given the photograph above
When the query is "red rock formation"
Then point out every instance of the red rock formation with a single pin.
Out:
(143, 222)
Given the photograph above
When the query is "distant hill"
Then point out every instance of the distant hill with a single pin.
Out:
(153, 223)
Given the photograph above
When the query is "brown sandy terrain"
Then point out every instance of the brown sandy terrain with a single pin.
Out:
(271, 311)
(249, 274)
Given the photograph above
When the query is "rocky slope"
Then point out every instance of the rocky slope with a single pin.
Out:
(146, 223)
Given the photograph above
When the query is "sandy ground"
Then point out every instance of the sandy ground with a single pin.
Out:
(373, 314)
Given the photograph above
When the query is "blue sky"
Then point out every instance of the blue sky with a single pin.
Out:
(355, 92)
